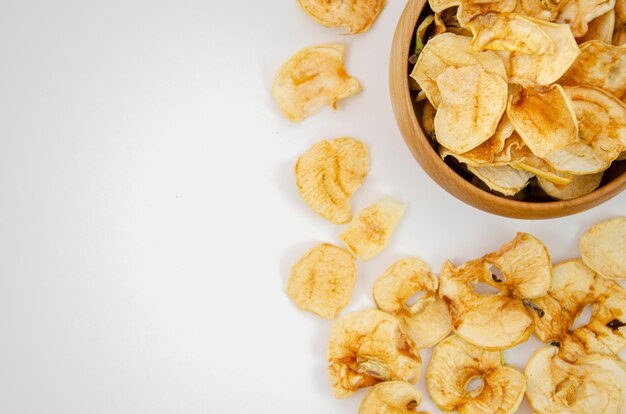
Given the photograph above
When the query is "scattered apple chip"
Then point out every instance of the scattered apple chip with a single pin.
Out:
(509, 31)
(574, 287)
(594, 384)
(450, 50)
(579, 186)
(329, 173)
(544, 119)
(619, 34)
(601, 122)
(603, 248)
(369, 232)
(312, 78)
(601, 28)
(504, 179)
(321, 282)
(599, 64)
(578, 13)
(497, 321)
(368, 347)
(533, 69)
(472, 104)
(355, 15)
(391, 397)
(425, 322)
(453, 366)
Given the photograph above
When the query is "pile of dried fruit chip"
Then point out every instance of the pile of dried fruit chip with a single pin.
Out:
(527, 97)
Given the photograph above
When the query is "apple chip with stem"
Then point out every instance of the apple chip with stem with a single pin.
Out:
(603, 248)
(355, 15)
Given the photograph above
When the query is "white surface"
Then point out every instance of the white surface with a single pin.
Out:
(149, 215)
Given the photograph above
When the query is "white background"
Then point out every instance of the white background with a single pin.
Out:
(149, 215)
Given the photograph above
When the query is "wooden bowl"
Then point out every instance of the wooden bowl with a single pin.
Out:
(407, 113)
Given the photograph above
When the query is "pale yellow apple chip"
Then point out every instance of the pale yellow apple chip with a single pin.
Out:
(450, 50)
(545, 120)
(469, 9)
(574, 287)
(428, 119)
(539, 9)
(594, 384)
(578, 13)
(369, 232)
(321, 282)
(502, 178)
(619, 33)
(329, 173)
(601, 28)
(427, 321)
(455, 363)
(545, 69)
(312, 78)
(601, 65)
(391, 397)
(509, 31)
(603, 248)
(356, 15)
(578, 186)
(472, 104)
(601, 122)
(368, 347)
(500, 320)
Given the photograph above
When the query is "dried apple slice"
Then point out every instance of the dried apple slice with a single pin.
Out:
(601, 28)
(370, 231)
(368, 347)
(391, 397)
(502, 178)
(426, 321)
(619, 34)
(329, 173)
(578, 186)
(538, 9)
(312, 78)
(497, 321)
(578, 13)
(603, 248)
(455, 363)
(356, 15)
(469, 9)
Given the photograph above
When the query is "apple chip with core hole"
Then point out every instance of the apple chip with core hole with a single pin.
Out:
(355, 15)
(426, 321)
(579, 186)
(329, 173)
(603, 248)
(501, 320)
(469, 9)
(594, 384)
(601, 65)
(369, 232)
(504, 179)
(509, 31)
(450, 50)
(545, 69)
(601, 122)
(321, 282)
(455, 363)
(578, 13)
(312, 78)
(545, 120)
(368, 347)
(391, 397)
(472, 103)
(574, 287)
(601, 28)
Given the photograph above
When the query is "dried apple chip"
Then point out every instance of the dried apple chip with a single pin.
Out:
(329, 173)
(601, 65)
(504, 179)
(501, 320)
(601, 28)
(312, 78)
(469, 9)
(574, 287)
(356, 15)
(532, 69)
(601, 122)
(619, 33)
(450, 50)
(578, 186)
(368, 347)
(426, 321)
(603, 248)
(593, 384)
(369, 232)
(321, 282)
(455, 363)
(539, 9)
(578, 13)
(509, 31)
(391, 397)
(544, 119)
(472, 104)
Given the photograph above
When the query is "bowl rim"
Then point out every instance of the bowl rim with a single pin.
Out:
(442, 173)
